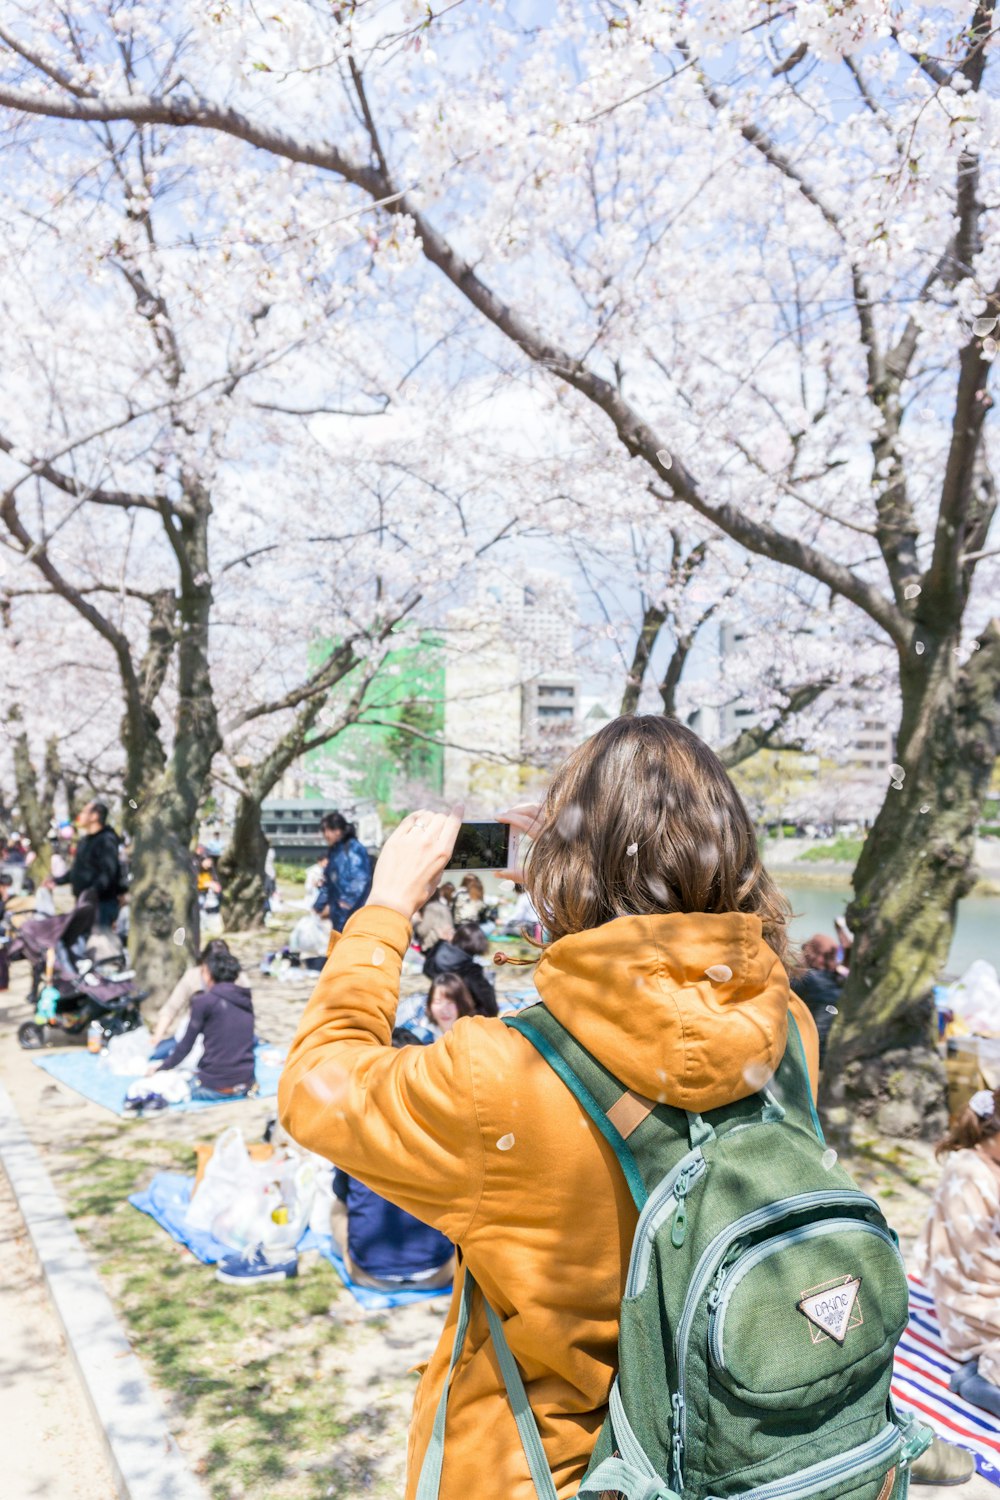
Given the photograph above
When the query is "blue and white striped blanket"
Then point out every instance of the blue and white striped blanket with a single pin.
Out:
(920, 1385)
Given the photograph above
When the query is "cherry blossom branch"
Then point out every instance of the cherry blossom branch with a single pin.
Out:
(637, 436)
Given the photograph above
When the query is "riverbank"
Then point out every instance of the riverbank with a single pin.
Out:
(794, 860)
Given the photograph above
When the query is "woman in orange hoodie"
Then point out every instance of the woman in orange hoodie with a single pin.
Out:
(646, 871)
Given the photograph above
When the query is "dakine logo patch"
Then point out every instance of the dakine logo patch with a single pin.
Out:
(833, 1309)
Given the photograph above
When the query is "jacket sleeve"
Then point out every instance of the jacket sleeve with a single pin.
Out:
(403, 1121)
(195, 1026)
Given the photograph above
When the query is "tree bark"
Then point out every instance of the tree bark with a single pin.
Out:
(916, 865)
(241, 866)
(34, 805)
(164, 933)
(654, 617)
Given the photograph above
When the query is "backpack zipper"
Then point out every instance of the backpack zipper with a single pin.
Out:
(679, 1227)
(690, 1167)
(721, 1293)
(705, 1269)
(831, 1471)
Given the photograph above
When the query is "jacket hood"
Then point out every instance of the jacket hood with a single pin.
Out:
(448, 958)
(236, 995)
(637, 994)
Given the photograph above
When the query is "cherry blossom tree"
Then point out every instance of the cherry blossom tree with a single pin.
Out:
(747, 249)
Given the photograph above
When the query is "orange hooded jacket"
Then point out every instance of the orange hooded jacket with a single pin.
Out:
(477, 1136)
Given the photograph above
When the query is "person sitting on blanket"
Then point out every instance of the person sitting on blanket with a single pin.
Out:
(383, 1246)
(958, 1254)
(223, 1017)
(177, 1006)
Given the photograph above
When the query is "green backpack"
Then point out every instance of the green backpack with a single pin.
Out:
(764, 1299)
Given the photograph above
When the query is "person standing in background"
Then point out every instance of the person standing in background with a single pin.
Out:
(95, 865)
(348, 876)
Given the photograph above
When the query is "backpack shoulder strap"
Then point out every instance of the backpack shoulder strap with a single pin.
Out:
(644, 1136)
(792, 1085)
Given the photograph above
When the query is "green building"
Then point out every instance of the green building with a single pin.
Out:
(378, 754)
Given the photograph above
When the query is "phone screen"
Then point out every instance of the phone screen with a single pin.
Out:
(481, 846)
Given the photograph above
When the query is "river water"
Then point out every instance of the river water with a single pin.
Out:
(977, 933)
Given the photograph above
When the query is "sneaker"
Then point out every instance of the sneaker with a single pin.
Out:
(257, 1264)
(943, 1464)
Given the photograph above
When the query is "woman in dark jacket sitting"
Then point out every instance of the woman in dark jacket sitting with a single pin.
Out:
(459, 957)
(223, 1016)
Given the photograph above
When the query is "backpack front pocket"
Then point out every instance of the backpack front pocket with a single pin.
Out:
(807, 1315)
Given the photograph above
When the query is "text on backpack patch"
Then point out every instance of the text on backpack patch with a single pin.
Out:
(832, 1308)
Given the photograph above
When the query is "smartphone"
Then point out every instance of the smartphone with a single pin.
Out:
(485, 846)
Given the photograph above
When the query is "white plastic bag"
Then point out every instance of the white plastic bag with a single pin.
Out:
(310, 936)
(228, 1172)
(128, 1054)
(975, 998)
(244, 1202)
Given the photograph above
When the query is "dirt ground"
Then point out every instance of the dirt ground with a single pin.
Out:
(47, 1436)
(297, 1368)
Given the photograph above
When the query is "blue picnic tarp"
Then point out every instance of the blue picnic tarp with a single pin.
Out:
(89, 1075)
(166, 1200)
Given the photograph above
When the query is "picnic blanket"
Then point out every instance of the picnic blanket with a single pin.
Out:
(920, 1384)
(166, 1201)
(85, 1073)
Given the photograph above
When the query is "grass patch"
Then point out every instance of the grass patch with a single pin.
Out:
(840, 851)
(251, 1374)
(291, 874)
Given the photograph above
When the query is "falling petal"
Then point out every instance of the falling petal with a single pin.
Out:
(912, 591)
(719, 973)
(982, 326)
(897, 786)
(505, 1142)
(179, 937)
(896, 772)
(665, 458)
(832, 1010)
(990, 347)
(975, 645)
(327, 1084)
(757, 1074)
(828, 1159)
(925, 807)
(920, 648)
(569, 822)
(378, 956)
(132, 802)
(632, 849)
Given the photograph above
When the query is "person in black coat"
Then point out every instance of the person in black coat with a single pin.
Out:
(95, 865)
(459, 957)
(818, 984)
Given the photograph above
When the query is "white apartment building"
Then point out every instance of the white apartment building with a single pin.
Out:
(512, 700)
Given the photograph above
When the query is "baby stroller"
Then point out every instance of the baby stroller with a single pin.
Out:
(71, 984)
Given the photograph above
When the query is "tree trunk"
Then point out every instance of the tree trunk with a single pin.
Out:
(241, 866)
(164, 936)
(883, 1066)
(34, 807)
(163, 932)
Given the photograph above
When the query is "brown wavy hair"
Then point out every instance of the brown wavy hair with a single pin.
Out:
(967, 1130)
(643, 819)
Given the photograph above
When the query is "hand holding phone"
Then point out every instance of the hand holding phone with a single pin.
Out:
(412, 860)
(525, 818)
